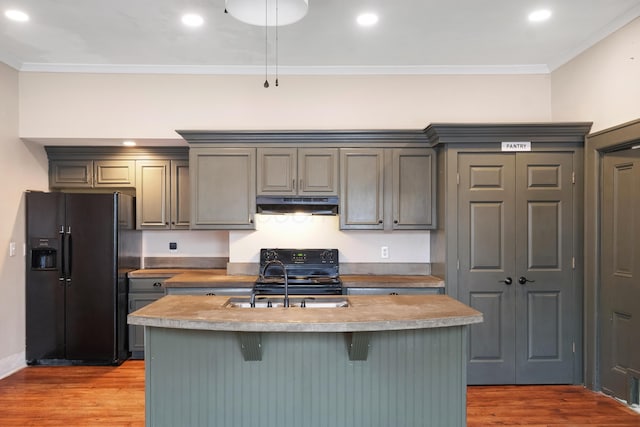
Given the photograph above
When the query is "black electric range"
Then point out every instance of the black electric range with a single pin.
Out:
(309, 272)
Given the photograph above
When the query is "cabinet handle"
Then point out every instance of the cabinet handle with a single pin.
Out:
(300, 185)
(210, 294)
(379, 221)
(395, 221)
(294, 184)
(157, 285)
(393, 293)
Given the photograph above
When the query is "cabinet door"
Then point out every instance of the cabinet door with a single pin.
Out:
(136, 332)
(152, 201)
(223, 188)
(361, 185)
(318, 171)
(277, 171)
(115, 173)
(71, 174)
(180, 194)
(413, 189)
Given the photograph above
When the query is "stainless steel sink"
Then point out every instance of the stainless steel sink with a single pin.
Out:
(271, 302)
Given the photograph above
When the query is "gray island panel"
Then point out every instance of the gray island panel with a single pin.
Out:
(411, 378)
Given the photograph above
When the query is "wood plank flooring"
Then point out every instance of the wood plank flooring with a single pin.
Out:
(114, 396)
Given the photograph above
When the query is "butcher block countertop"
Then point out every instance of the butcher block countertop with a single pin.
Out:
(193, 278)
(364, 313)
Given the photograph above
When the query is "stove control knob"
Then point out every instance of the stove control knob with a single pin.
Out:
(270, 255)
(327, 256)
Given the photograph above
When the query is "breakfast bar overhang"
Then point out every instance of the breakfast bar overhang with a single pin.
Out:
(383, 361)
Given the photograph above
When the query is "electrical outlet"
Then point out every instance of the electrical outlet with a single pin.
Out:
(173, 246)
(384, 251)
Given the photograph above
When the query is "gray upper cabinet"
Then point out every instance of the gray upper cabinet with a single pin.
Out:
(71, 174)
(361, 188)
(387, 189)
(92, 173)
(114, 173)
(297, 171)
(413, 188)
(162, 194)
(223, 188)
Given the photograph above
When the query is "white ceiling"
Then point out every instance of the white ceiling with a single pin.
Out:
(412, 36)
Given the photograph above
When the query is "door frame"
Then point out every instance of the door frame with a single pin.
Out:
(597, 145)
(452, 139)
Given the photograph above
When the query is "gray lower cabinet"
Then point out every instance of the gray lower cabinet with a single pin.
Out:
(391, 189)
(142, 292)
(297, 171)
(162, 194)
(223, 188)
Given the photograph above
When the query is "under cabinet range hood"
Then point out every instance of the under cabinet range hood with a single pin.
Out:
(324, 205)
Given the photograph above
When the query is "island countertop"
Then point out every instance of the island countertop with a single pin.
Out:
(364, 313)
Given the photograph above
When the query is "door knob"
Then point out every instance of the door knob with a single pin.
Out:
(506, 281)
(523, 280)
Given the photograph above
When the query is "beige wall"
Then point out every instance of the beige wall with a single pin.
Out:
(77, 106)
(602, 84)
(24, 166)
(58, 105)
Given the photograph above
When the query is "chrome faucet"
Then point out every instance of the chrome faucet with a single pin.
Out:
(284, 275)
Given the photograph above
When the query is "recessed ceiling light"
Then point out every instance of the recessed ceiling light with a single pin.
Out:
(540, 15)
(16, 15)
(129, 143)
(367, 19)
(192, 20)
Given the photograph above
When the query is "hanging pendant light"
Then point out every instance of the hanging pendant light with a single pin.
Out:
(253, 11)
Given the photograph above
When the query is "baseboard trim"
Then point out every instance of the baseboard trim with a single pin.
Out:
(12, 363)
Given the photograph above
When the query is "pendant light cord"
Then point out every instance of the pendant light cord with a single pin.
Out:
(276, 43)
(266, 42)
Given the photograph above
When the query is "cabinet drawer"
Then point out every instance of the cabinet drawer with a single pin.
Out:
(394, 291)
(209, 291)
(150, 284)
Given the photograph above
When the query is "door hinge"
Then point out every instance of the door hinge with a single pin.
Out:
(573, 177)
(573, 262)
(573, 347)
(457, 179)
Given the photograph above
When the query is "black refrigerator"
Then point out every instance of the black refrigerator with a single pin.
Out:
(80, 248)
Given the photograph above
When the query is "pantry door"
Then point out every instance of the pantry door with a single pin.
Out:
(515, 228)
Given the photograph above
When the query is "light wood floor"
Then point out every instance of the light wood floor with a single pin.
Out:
(114, 396)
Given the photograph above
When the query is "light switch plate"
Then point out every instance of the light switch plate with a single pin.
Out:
(12, 248)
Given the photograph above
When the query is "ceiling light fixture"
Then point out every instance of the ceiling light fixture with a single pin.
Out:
(539, 15)
(129, 143)
(192, 20)
(16, 15)
(272, 13)
(367, 19)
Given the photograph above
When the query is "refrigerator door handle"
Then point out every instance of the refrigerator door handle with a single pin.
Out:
(62, 257)
(67, 257)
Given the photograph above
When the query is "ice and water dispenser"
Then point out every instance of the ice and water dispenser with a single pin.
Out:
(44, 254)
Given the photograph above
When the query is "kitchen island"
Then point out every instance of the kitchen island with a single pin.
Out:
(380, 361)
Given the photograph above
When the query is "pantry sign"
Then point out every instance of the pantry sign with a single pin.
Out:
(516, 146)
